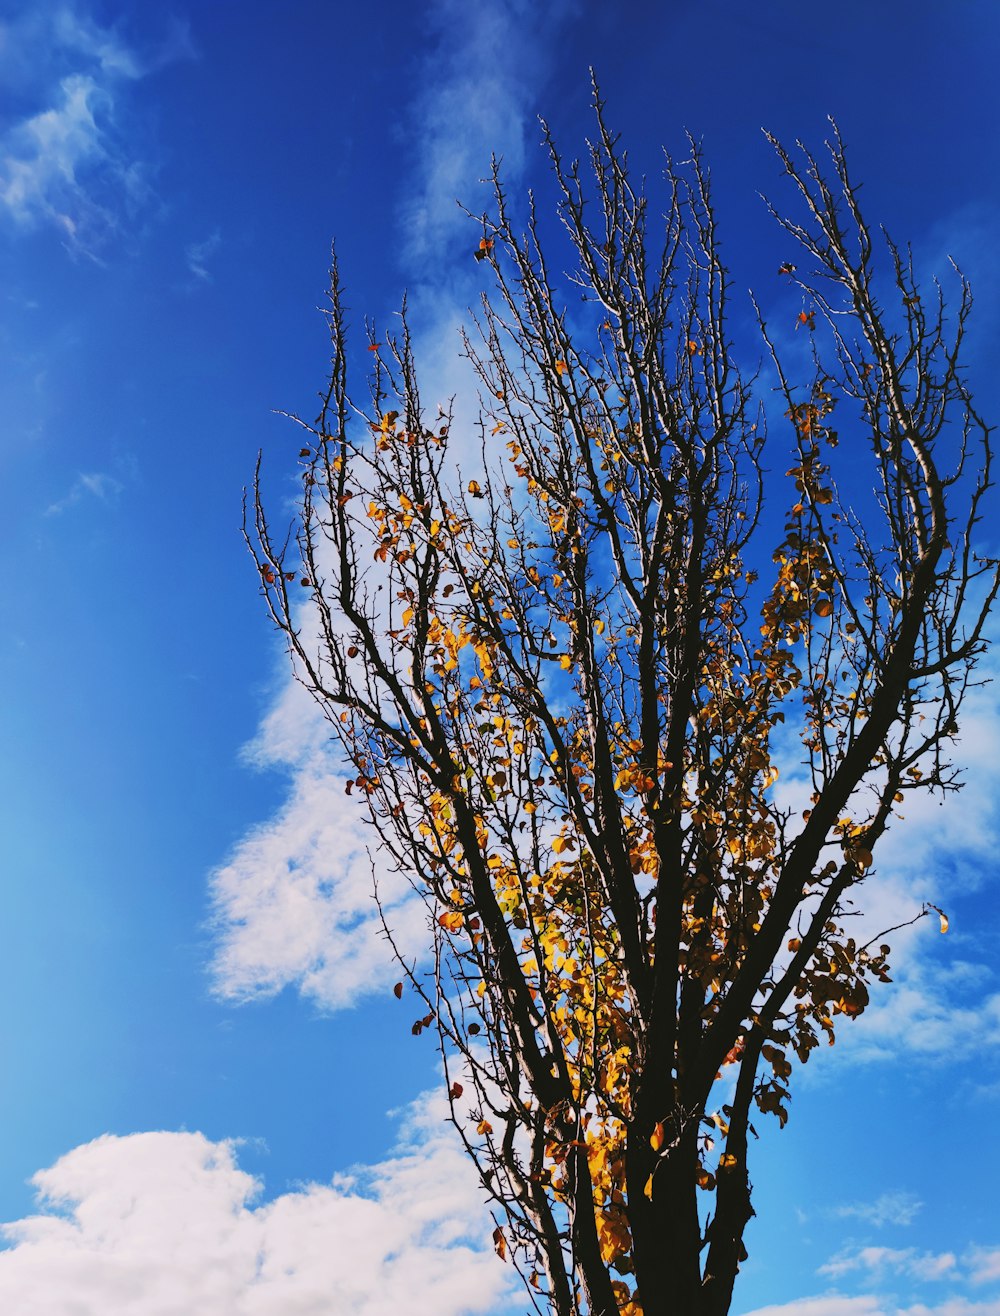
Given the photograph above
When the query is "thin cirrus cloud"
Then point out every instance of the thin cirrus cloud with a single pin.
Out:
(168, 1222)
(199, 256)
(65, 162)
(480, 84)
(87, 485)
(895, 1208)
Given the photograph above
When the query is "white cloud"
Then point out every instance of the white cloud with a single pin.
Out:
(950, 1307)
(42, 159)
(984, 1264)
(294, 903)
(896, 1208)
(65, 163)
(198, 255)
(164, 1224)
(868, 1304)
(943, 1005)
(88, 484)
(907, 1262)
(833, 1305)
(481, 82)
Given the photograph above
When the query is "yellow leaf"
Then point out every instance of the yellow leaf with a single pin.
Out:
(561, 843)
(561, 367)
(944, 921)
(566, 662)
(648, 1190)
(451, 920)
(484, 1127)
(500, 1243)
(727, 1161)
(657, 1136)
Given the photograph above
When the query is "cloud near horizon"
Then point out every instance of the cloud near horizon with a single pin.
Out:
(165, 1223)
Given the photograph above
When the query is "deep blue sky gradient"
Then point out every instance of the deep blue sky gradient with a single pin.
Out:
(136, 657)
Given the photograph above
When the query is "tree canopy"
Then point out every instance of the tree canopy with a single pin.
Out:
(634, 707)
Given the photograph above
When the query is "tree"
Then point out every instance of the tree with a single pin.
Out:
(566, 691)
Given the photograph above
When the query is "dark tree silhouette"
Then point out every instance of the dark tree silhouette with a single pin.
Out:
(567, 688)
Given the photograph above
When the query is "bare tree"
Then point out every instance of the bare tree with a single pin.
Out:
(566, 691)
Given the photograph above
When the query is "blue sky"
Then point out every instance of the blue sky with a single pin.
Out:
(210, 1100)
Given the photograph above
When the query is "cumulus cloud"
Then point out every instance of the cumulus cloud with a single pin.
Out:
(65, 162)
(296, 905)
(159, 1224)
(984, 1265)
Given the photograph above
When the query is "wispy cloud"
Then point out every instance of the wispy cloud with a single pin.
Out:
(897, 1208)
(482, 85)
(66, 163)
(868, 1304)
(168, 1222)
(908, 1262)
(88, 485)
(294, 903)
(199, 254)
